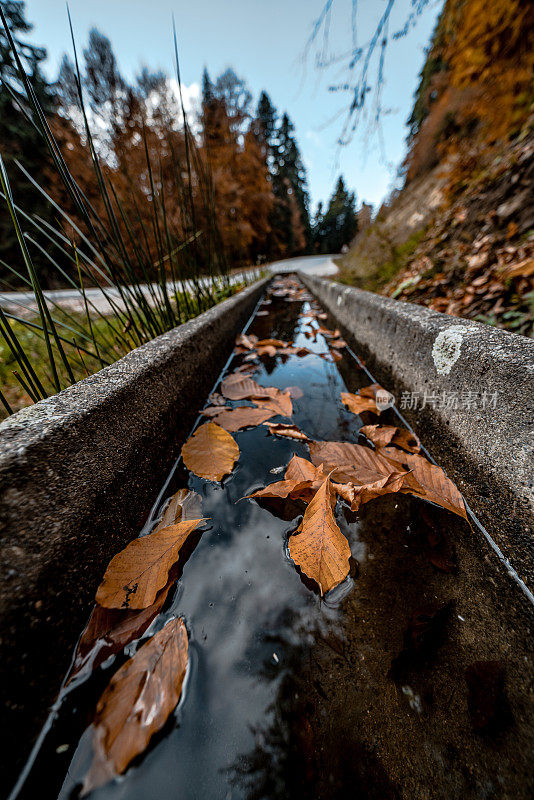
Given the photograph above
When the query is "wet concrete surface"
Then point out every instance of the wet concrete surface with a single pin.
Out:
(412, 679)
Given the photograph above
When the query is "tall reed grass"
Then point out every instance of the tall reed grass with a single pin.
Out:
(152, 282)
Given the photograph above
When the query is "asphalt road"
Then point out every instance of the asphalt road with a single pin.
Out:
(23, 303)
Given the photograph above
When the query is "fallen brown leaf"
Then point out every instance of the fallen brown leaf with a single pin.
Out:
(428, 481)
(136, 574)
(353, 463)
(240, 387)
(290, 431)
(248, 342)
(233, 419)
(137, 703)
(212, 411)
(109, 630)
(267, 350)
(184, 505)
(280, 403)
(320, 549)
(210, 452)
(271, 343)
(358, 404)
(382, 435)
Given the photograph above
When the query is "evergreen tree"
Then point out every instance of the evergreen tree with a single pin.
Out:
(338, 225)
(292, 173)
(19, 139)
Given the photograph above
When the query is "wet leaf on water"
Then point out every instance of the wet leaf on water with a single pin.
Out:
(353, 463)
(233, 419)
(247, 369)
(356, 495)
(278, 404)
(290, 431)
(240, 387)
(319, 548)
(137, 703)
(301, 481)
(382, 435)
(357, 403)
(271, 343)
(212, 411)
(216, 399)
(136, 574)
(210, 452)
(184, 505)
(428, 481)
(267, 350)
(248, 342)
(339, 344)
(109, 630)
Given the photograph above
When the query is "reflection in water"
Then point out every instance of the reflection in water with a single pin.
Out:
(361, 694)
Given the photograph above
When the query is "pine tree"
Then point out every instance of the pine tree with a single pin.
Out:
(19, 139)
(338, 225)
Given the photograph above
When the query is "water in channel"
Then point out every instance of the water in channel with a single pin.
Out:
(409, 680)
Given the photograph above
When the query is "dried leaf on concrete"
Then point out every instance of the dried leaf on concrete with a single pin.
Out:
(210, 452)
(320, 549)
(137, 703)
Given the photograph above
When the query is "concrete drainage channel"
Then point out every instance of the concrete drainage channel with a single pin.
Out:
(469, 389)
(80, 471)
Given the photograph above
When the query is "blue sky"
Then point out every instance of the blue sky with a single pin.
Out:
(263, 40)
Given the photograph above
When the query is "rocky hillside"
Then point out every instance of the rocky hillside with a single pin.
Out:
(459, 236)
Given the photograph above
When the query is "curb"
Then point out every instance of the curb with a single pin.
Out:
(78, 475)
(464, 369)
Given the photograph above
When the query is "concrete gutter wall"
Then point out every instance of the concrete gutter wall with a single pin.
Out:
(78, 475)
(488, 452)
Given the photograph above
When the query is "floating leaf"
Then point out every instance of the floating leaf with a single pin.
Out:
(358, 404)
(428, 481)
(271, 343)
(184, 505)
(290, 431)
(233, 419)
(382, 435)
(137, 703)
(212, 411)
(339, 344)
(267, 350)
(353, 463)
(136, 574)
(110, 630)
(241, 387)
(356, 496)
(210, 452)
(247, 342)
(216, 399)
(320, 549)
(278, 404)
